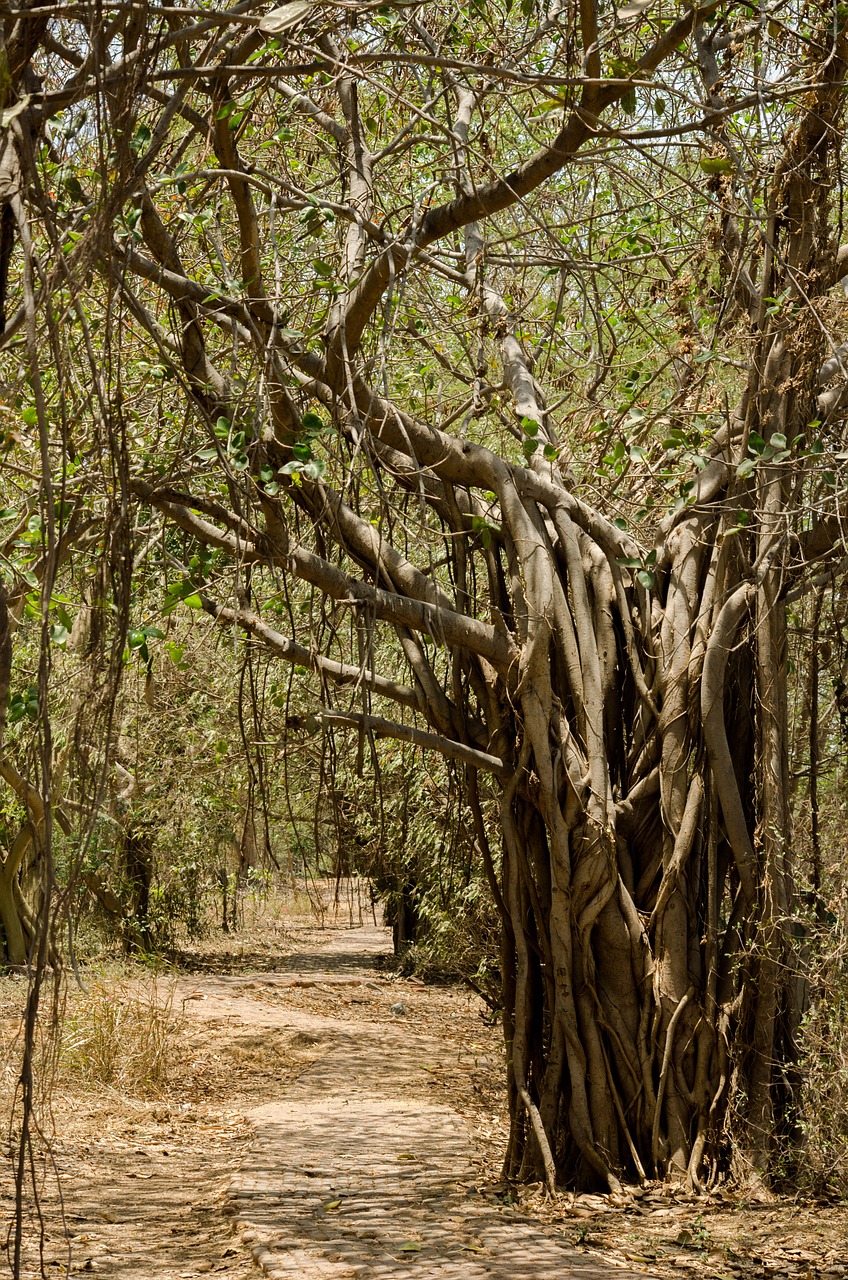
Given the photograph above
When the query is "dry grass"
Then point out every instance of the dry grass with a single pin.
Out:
(125, 1036)
(120, 1033)
(272, 914)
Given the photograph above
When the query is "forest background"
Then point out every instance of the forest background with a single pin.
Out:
(423, 457)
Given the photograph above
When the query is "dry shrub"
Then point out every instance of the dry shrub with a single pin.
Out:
(9, 1066)
(124, 1037)
(824, 1064)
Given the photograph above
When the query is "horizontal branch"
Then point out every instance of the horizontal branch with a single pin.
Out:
(340, 673)
(418, 737)
(462, 462)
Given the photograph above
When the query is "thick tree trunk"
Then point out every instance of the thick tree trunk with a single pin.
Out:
(649, 955)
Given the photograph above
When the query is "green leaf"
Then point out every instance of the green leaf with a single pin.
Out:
(314, 469)
(411, 1246)
(141, 139)
(550, 453)
(30, 416)
(646, 578)
(530, 426)
(193, 601)
(23, 704)
(716, 164)
(746, 466)
(59, 634)
(177, 593)
(175, 653)
(311, 423)
(484, 531)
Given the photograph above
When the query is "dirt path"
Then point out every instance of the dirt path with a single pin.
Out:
(309, 1125)
(355, 1171)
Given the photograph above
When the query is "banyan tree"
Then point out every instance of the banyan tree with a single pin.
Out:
(485, 367)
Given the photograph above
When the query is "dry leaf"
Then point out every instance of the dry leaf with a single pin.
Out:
(633, 9)
(285, 17)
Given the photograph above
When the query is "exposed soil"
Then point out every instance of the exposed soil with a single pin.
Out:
(328, 1119)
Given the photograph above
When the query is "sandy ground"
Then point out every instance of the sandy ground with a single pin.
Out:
(330, 1119)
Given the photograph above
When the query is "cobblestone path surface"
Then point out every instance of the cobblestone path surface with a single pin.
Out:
(355, 1175)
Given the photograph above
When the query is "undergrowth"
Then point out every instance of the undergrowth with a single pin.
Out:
(823, 1104)
(125, 1036)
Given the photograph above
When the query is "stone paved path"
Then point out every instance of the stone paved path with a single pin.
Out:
(354, 1175)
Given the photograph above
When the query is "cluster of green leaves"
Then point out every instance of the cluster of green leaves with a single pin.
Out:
(304, 462)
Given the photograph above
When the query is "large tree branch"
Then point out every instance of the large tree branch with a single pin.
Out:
(407, 733)
(492, 197)
(444, 625)
(339, 673)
